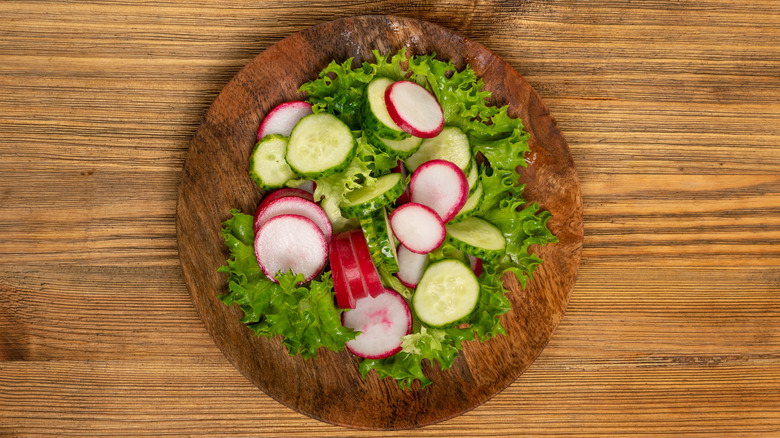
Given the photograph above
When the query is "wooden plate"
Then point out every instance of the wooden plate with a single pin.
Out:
(330, 388)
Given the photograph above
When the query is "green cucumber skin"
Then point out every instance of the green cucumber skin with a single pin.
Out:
(470, 212)
(372, 124)
(378, 241)
(333, 170)
(376, 203)
(482, 253)
(254, 175)
(464, 319)
(377, 141)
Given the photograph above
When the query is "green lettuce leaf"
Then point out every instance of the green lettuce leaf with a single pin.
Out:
(304, 317)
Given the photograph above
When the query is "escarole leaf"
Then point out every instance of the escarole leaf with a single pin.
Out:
(305, 318)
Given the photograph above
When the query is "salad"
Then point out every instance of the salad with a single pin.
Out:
(392, 211)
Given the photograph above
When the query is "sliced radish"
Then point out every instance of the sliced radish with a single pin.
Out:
(281, 193)
(401, 168)
(476, 264)
(367, 267)
(414, 109)
(410, 266)
(441, 185)
(417, 227)
(291, 242)
(382, 322)
(350, 267)
(344, 298)
(308, 186)
(293, 205)
(283, 118)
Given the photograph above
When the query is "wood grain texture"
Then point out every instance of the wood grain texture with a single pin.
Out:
(671, 113)
(330, 387)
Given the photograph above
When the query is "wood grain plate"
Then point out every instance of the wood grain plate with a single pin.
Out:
(330, 388)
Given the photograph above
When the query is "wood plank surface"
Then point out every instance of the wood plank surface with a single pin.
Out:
(671, 110)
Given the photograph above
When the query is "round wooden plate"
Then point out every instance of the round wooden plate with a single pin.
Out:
(329, 387)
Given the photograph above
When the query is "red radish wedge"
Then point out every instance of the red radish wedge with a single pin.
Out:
(414, 109)
(291, 242)
(382, 322)
(293, 205)
(344, 298)
(442, 186)
(410, 266)
(367, 267)
(283, 118)
(350, 267)
(476, 264)
(417, 227)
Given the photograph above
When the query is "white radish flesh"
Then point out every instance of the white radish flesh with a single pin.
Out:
(414, 109)
(417, 227)
(293, 205)
(283, 118)
(410, 266)
(440, 185)
(291, 242)
(382, 322)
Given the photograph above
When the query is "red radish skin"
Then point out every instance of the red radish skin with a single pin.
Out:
(382, 320)
(410, 266)
(404, 198)
(281, 193)
(283, 118)
(291, 242)
(418, 227)
(414, 109)
(350, 266)
(344, 298)
(293, 205)
(476, 265)
(440, 185)
(367, 268)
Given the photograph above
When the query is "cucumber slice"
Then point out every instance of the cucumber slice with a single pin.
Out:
(471, 205)
(366, 199)
(267, 166)
(397, 148)
(447, 293)
(473, 176)
(451, 145)
(320, 145)
(478, 237)
(381, 243)
(376, 119)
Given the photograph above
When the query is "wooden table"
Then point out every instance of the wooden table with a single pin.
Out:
(672, 114)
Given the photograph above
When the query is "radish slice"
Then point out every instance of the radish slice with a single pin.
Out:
(400, 168)
(367, 268)
(410, 266)
(281, 193)
(440, 185)
(350, 267)
(344, 298)
(476, 264)
(283, 118)
(417, 227)
(382, 321)
(293, 205)
(414, 109)
(291, 242)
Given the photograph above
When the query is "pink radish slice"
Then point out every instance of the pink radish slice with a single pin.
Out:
(367, 268)
(476, 265)
(291, 242)
(350, 266)
(294, 205)
(308, 186)
(283, 118)
(414, 109)
(382, 321)
(441, 185)
(344, 298)
(410, 266)
(281, 193)
(417, 227)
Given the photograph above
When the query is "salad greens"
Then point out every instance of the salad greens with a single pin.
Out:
(305, 317)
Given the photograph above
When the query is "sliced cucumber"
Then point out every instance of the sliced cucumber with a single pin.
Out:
(320, 145)
(366, 199)
(473, 176)
(376, 119)
(380, 240)
(451, 145)
(447, 293)
(471, 206)
(478, 237)
(397, 148)
(267, 166)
